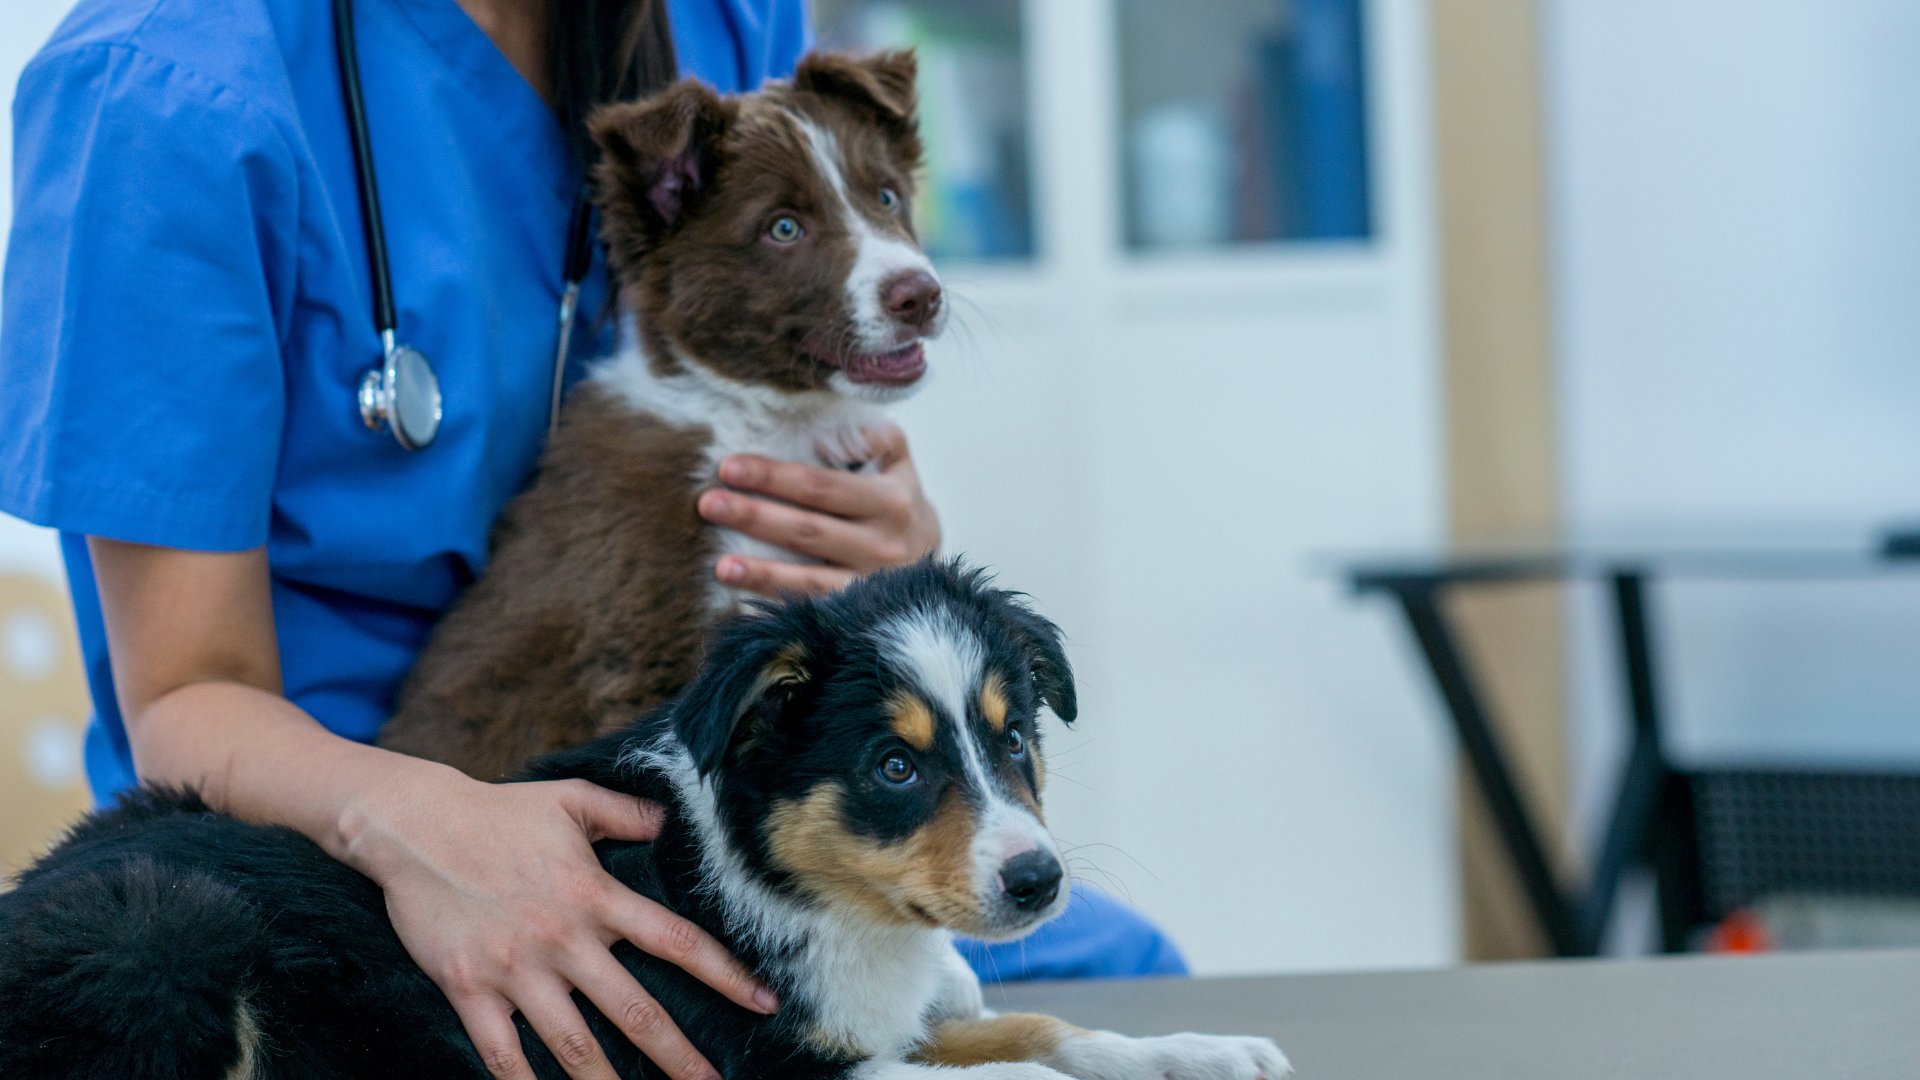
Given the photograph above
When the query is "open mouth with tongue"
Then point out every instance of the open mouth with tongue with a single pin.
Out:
(900, 367)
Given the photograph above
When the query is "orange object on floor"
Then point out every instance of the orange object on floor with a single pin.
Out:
(1742, 931)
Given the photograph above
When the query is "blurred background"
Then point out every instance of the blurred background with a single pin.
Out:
(1256, 292)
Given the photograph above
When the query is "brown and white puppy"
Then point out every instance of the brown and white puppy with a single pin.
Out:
(775, 298)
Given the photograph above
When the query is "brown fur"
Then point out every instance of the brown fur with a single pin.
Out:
(925, 878)
(593, 610)
(598, 599)
(1012, 1037)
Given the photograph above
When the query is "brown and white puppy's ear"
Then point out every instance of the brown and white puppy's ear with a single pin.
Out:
(883, 86)
(753, 672)
(657, 159)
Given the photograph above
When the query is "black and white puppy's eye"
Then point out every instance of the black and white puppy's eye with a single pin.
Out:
(888, 199)
(785, 229)
(1016, 743)
(897, 769)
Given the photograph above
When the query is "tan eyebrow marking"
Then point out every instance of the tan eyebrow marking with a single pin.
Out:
(912, 719)
(993, 700)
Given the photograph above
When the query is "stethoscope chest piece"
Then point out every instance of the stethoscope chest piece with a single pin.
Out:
(402, 394)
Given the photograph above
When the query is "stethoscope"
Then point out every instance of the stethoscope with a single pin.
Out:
(401, 393)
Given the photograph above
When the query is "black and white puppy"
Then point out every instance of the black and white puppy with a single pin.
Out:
(848, 781)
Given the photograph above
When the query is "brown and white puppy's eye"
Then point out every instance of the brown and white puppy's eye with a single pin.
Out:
(898, 769)
(785, 229)
(889, 200)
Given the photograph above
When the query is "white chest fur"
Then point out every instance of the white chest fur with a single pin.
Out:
(874, 988)
(825, 428)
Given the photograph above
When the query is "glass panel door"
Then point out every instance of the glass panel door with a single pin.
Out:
(1243, 121)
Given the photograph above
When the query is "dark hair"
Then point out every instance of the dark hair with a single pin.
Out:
(606, 51)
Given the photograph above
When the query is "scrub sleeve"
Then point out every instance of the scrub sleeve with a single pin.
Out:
(124, 415)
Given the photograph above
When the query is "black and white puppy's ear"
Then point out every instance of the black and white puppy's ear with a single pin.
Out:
(657, 157)
(1047, 656)
(754, 670)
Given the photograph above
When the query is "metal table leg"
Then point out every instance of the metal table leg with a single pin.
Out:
(1491, 770)
(1671, 842)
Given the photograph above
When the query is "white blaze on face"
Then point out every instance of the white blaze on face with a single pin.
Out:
(878, 257)
(948, 664)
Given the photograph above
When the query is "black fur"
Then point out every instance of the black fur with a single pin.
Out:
(135, 947)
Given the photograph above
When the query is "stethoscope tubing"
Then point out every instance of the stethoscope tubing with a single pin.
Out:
(372, 223)
(579, 261)
(381, 390)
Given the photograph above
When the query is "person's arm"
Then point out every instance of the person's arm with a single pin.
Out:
(853, 522)
(494, 889)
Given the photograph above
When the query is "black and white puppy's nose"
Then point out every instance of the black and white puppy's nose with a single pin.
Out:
(1031, 879)
(913, 298)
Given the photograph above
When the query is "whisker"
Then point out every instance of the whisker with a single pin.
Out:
(1053, 774)
(1113, 881)
(1123, 853)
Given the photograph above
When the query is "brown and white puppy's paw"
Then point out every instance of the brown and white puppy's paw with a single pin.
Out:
(847, 448)
(1103, 1055)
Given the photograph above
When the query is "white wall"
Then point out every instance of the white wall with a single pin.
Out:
(1738, 293)
(24, 25)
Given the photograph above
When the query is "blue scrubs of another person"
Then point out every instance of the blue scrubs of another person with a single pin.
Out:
(187, 313)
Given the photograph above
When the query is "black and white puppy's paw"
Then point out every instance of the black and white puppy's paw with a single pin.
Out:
(1103, 1055)
(1002, 1070)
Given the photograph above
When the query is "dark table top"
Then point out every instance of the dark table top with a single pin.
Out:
(1378, 570)
(1835, 1016)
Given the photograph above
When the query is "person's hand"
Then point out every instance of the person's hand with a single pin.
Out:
(496, 893)
(853, 522)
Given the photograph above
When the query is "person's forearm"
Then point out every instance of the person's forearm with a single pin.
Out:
(259, 757)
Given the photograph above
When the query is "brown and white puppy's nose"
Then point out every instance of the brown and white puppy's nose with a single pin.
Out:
(913, 299)
(1031, 879)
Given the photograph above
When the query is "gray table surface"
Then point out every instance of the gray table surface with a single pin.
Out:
(1835, 1016)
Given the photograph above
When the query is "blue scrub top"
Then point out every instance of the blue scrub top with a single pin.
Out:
(187, 316)
(187, 312)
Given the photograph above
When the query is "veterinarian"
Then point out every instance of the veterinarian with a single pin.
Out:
(186, 323)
